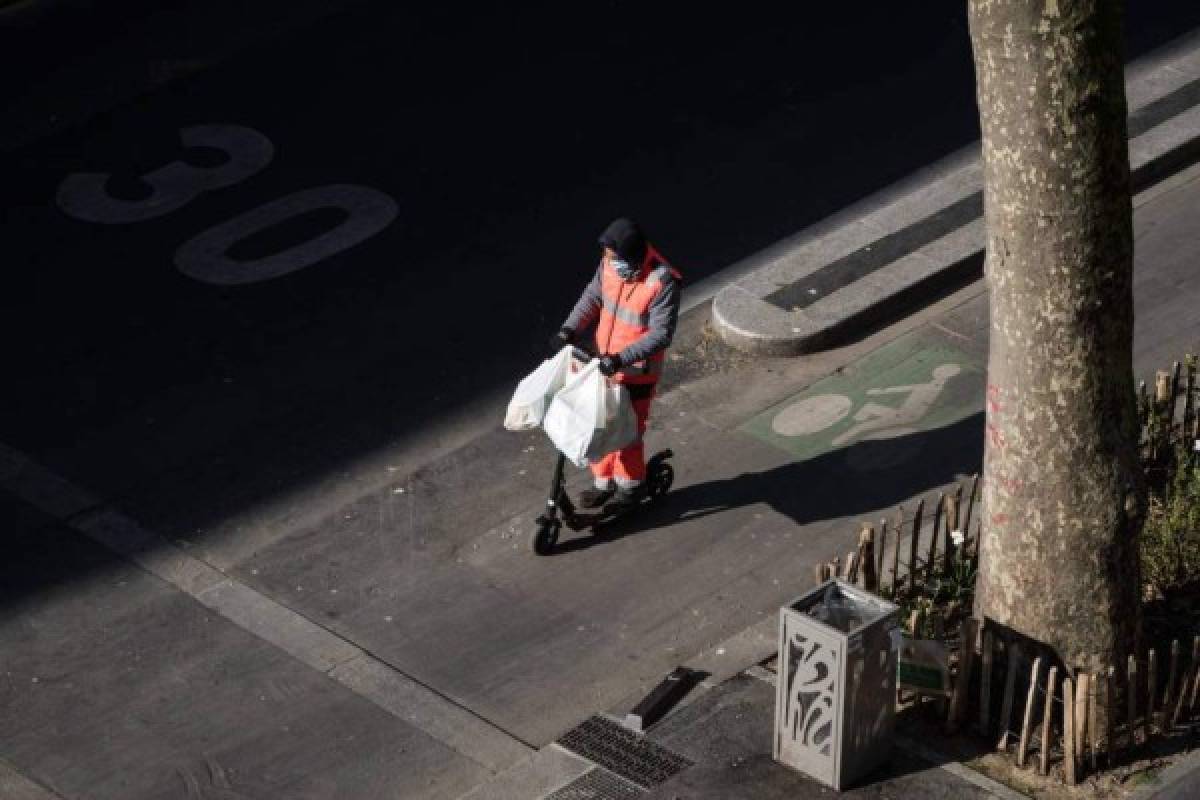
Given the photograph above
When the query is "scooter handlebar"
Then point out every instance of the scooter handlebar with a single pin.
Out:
(582, 353)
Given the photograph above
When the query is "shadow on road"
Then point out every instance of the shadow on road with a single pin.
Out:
(835, 484)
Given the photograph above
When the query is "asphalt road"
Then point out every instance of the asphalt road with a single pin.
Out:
(506, 138)
(265, 422)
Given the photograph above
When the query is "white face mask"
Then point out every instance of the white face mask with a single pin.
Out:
(623, 268)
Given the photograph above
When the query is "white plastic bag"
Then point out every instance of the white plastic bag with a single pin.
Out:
(575, 413)
(620, 423)
(589, 418)
(535, 391)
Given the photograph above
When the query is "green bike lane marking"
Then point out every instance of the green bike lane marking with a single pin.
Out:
(908, 386)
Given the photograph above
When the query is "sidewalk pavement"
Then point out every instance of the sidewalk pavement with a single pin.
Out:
(724, 728)
(895, 249)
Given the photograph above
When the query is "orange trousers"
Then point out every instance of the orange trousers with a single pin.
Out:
(627, 467)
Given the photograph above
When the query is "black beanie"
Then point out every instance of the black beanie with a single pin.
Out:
(625, 238)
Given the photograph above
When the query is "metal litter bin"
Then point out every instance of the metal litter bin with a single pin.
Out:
(835, 701)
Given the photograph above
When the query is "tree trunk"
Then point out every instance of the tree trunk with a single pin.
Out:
(1063, 498)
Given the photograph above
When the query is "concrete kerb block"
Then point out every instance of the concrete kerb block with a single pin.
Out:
(753, 325)
(745, 319)
(811, 256)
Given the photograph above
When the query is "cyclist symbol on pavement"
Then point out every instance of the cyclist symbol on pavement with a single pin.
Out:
(873, 417)
(875, 420)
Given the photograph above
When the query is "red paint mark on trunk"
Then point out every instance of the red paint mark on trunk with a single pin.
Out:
(995, 436)
(993, 398)
(1000, 519)
(1010, 485)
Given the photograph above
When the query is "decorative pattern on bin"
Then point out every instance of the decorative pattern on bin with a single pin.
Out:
(811, 683)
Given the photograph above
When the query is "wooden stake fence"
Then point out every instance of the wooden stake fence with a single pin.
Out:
(1094, 730)
(905, 553)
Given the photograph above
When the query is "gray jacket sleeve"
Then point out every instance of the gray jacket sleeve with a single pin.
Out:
(588, 308)
(664, 313)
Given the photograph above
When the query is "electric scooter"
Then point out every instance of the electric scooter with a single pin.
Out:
(560, 509)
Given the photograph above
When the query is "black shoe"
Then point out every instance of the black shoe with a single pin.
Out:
(594, 498)
(624, 500)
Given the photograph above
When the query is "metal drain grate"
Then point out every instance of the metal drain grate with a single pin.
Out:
(597, 785)
(621, 751)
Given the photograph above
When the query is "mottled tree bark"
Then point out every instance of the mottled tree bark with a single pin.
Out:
(1063, 498)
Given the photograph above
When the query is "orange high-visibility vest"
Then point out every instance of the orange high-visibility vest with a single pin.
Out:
(625, 314)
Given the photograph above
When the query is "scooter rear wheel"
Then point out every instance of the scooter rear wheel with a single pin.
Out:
(546, 537)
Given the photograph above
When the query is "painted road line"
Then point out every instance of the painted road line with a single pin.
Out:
(909, 386)
(358, 670)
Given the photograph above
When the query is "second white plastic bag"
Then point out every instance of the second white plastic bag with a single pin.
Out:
(589, 418)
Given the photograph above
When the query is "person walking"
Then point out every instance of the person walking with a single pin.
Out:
(633, 302)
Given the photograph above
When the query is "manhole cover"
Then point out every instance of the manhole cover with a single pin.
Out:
(623, 752)
(597, 785)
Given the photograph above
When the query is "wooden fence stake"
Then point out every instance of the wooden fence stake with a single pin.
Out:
(1047, 720)
(1162, 388)
(1027, 722)
(1081, 716)
(985, 683)
(1177, 713)
(1188, 406)
(1069, 730)
(1173, 395)
(1151, 692)
(818, 574)
(1093, 724)
(1168, 704)
(1131, 690)
(931, 562)
(1010, 685)
(851, 572)
(953, 503)
(912, 556)
(866, 546)
(896, 552)
(880, 549)
(1196, 667)
(966, 519)
(1110, 711)
(962, 681)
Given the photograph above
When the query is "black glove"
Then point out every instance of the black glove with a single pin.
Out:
(561, 339)
(609, 365)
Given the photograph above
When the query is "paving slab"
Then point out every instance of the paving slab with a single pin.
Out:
(115, 685)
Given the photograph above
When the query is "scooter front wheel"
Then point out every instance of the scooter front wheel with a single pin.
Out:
(546, 537)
